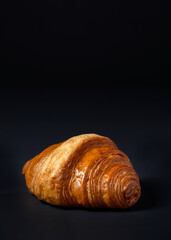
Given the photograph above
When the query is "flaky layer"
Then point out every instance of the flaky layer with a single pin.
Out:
(86, 170)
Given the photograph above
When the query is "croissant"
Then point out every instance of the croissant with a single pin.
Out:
(84, 171)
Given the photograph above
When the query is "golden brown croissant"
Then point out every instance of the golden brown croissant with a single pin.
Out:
(87, 171)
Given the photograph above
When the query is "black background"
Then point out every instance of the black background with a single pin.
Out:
(118, 51)
(136, 118)
(123, 40)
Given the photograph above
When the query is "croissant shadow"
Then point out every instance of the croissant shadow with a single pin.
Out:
(153, 195)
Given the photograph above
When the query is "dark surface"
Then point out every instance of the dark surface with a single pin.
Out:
(137, 119)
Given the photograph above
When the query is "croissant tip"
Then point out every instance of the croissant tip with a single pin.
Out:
(24, 169)
(132, 193)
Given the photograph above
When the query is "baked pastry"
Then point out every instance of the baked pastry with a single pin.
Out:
(84, 171)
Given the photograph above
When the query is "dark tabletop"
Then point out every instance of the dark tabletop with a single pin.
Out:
(136, 118)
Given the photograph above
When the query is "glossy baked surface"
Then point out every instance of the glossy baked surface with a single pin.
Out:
(86, 170)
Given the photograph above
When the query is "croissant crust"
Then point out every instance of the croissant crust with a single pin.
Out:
(87, 171)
